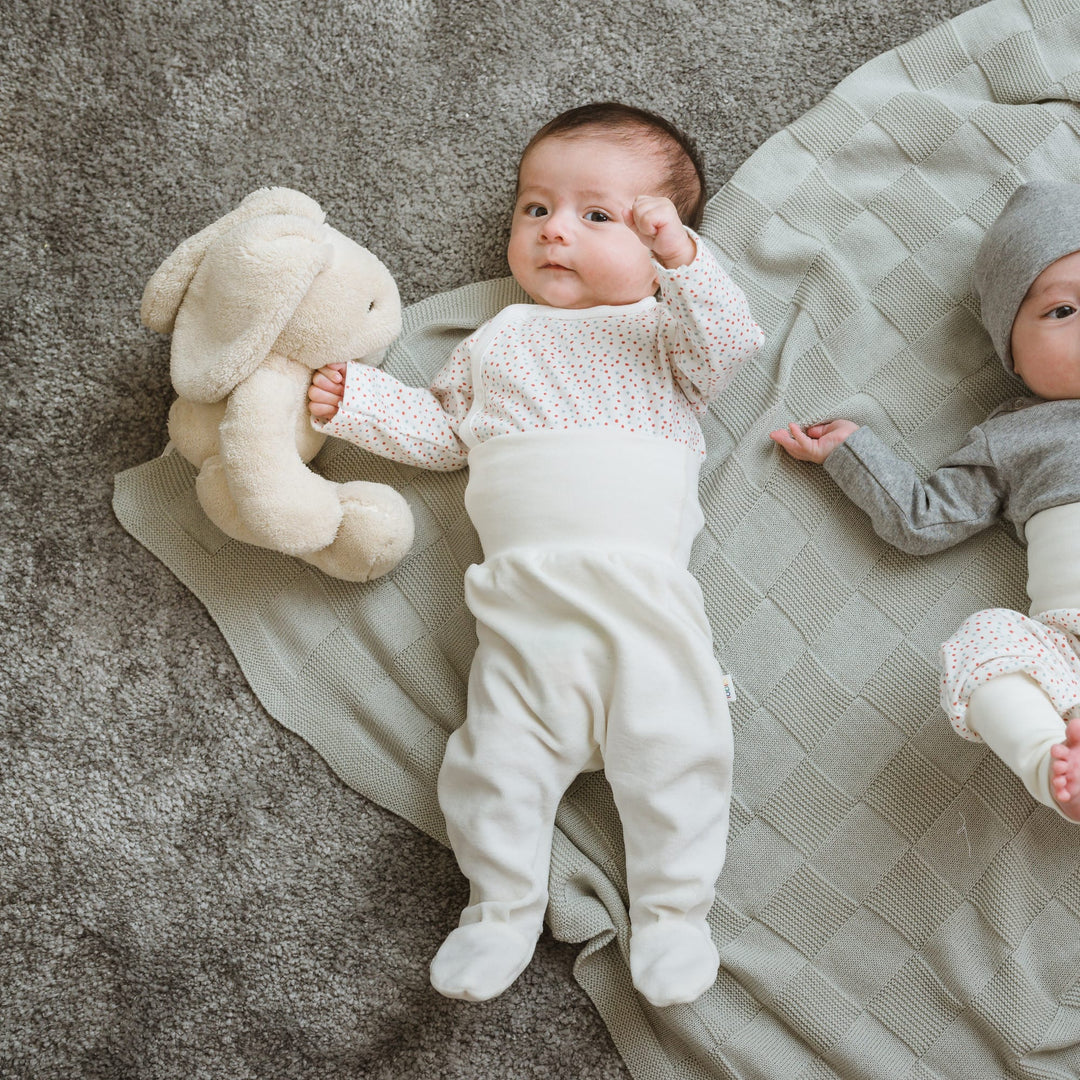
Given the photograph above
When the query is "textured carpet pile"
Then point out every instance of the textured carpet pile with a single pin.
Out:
(185, 888)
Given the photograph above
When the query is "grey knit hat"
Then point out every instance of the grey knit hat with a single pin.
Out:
(1040, 224)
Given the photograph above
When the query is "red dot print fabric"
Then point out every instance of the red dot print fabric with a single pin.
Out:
(648, 368)
(999, 642)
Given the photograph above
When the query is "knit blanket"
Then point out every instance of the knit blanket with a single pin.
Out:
(894, 904)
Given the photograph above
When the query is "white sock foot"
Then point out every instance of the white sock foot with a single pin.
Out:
(673, 961)
(479, 961)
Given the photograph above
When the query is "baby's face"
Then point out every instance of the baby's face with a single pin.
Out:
(1046, 332)
(570, 246)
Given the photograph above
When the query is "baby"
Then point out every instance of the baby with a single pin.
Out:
(1009, 680)
(577, 416)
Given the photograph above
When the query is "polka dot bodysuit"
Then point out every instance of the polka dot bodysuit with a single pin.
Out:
(648, 368)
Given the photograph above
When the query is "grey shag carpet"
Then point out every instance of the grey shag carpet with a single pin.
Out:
(186, 890)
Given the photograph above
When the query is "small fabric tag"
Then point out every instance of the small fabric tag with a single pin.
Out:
(729, 687)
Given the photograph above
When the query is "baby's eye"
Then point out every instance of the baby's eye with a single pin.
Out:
(1062, 311)
(535, 210)
(596, 216)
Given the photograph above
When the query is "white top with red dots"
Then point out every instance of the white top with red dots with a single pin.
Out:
(648, 368)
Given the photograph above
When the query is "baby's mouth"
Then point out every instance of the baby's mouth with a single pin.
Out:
(554, 266)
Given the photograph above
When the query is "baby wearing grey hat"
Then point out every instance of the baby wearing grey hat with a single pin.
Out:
(1008, 679)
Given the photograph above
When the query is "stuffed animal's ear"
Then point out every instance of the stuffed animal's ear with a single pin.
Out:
(164, 292)
(245, 290)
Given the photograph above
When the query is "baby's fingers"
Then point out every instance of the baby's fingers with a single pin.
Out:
(650, 214)
(324, 381)
(795, 441)
(322, 397)
(785, 436)
(819, 431)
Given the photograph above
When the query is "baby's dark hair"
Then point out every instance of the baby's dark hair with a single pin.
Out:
(625, 123)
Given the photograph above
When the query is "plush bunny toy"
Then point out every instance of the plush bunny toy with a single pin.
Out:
(255, 302)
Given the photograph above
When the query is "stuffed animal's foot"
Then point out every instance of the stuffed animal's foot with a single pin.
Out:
(479, 961)
(375, 533)
(673, 961)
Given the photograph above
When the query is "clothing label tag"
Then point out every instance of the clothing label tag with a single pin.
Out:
(729, 687)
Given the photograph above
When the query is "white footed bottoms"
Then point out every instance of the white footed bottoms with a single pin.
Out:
(594, 651)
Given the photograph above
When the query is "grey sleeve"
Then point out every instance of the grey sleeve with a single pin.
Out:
(963, 497)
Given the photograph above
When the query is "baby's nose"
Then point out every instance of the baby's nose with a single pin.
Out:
(555, 227)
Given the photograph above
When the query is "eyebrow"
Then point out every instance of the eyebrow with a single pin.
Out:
(541, 189)
(1065, 281)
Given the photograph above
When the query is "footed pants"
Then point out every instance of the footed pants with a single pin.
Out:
(594, 651)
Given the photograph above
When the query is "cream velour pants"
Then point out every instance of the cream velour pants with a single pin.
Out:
(594, 651)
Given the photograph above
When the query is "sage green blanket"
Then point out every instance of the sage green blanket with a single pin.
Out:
(894, 904)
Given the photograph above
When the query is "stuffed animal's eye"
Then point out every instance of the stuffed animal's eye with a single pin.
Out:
(371, 306)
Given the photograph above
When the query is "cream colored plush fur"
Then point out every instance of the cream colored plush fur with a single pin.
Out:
(255, 302)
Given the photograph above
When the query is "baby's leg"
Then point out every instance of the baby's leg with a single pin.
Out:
(1020, 724)
(674, 805)
(502, 777)
(668, 758)
(1010, 678)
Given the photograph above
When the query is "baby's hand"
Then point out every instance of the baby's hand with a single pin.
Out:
(657, 224)
(817, 442)
(326, 391)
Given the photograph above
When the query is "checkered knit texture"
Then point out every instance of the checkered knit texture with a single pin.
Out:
(894, 904)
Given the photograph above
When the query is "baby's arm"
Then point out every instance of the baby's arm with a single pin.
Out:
(707, 330)
(407, 424)
(958, 500)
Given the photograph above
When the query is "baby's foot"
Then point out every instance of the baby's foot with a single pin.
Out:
(673, 961)
(1065, 771)
(479, 961)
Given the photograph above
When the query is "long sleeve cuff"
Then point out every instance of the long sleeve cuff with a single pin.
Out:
(402, 423)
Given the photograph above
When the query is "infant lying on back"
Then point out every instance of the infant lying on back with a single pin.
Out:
(1009, 680)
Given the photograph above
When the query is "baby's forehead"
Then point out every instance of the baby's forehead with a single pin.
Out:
(638, 141)
(1062, 271)
(642, 152)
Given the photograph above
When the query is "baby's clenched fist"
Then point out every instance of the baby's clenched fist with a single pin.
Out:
(326, 391)
(658, 227)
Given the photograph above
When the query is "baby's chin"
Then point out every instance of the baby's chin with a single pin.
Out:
(570, 302)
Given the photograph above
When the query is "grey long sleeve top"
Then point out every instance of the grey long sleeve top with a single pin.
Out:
(1023, 459)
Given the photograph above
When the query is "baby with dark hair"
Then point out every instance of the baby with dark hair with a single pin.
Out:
(577, 416)
(683, 180)
(1009, 680)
